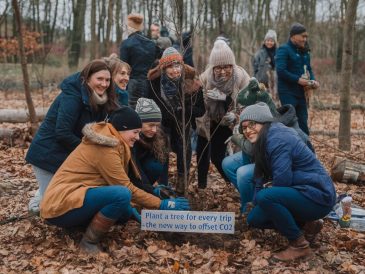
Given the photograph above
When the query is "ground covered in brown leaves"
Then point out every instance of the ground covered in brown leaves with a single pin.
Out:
(29, 245)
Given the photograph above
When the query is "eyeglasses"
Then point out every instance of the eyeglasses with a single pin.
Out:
(175, 66)
(251, 125)
(222, 68)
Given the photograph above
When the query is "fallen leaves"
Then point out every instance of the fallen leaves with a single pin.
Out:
(30, 245)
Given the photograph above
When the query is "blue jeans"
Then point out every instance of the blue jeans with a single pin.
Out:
(301, 110)
(112, 201)
(239, 171)
(284, 209)
(154, 170)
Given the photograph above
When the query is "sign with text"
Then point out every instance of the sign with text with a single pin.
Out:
(188, 221)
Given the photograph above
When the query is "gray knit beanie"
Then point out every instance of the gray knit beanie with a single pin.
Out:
(259, 112)
(221, 54)
(271, 34)
(148, 110)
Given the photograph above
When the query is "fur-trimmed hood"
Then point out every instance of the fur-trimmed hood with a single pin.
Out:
(100, 133)
(189, 72)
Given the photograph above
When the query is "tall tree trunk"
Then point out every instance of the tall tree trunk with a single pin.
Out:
(77, 34)
(92, 30)
(344, 138)
(109, 23)
(23, 58)
(118, 20)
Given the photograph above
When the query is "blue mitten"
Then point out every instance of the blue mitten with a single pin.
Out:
(136, 215)
(179, 203)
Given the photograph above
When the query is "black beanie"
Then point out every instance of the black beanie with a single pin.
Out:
(125, 118)
(296, 28)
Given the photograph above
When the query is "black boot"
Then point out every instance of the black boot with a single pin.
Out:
(94, 232)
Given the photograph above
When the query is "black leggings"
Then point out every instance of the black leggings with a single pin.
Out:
(215, 150)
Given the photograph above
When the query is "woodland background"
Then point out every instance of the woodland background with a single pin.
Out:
(60, 36)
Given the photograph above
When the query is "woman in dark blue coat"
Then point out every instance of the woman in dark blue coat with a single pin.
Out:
(85, 97)
(301, 193)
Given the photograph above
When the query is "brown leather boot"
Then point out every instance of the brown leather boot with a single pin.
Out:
(180, 185)
(297, 249)
(311, 230)
(94, 232)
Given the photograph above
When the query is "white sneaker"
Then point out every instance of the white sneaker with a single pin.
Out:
(33, 206)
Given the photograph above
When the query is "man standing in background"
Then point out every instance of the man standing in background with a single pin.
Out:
(140, 53)
(295, 73)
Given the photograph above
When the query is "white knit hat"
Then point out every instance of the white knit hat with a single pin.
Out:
(271, 34)
(221, 54)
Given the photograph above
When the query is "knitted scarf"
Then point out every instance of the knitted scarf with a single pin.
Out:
(170, 91)
(215, 109)
(99, 100)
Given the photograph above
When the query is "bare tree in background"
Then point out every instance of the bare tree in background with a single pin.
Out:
(77, 33)
(344, 133)
(23, 58)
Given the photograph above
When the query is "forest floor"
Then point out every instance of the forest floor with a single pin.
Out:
(29, 245)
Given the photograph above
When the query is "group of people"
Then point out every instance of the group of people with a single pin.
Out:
(102, 151)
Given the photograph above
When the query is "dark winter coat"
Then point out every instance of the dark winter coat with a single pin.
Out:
(285, 115)
(290, 62)
(144, 149)
(194, 102)
(293, 164)
(187, 49)
(139, 52)
(60, 133)
(262, 65)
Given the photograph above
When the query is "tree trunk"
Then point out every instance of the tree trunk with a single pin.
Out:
(93, 41)
(21, 115)
(77, 34)
(118, 21)
(347, 171)
(344, 138)
(10, 136)
(23, 58)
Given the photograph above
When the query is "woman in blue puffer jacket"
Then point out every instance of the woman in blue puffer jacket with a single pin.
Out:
(85, 97)
(301, 191)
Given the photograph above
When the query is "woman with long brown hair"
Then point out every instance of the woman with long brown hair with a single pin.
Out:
(85, 97)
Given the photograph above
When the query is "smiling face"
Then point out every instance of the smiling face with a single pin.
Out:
(149, 129)
(223, 72)
(99, 81)
(299, 39)
(174, 71)
(155, 31)
(121, 78)
(269, 43)
(130, 136)
(251, 130)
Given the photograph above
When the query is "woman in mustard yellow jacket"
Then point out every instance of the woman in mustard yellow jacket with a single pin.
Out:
(92, 187)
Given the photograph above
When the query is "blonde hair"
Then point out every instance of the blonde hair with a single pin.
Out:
(116, 65)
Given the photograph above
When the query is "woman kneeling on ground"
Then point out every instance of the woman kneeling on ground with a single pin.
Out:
(301, 193)
(92, 187)
(151, 150)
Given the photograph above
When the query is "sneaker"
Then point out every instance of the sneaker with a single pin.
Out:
(33, 206)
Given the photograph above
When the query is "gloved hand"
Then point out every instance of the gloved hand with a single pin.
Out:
(217, 95)
(163, 191)
(178, 203)
(136, 215)
(229, 118)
